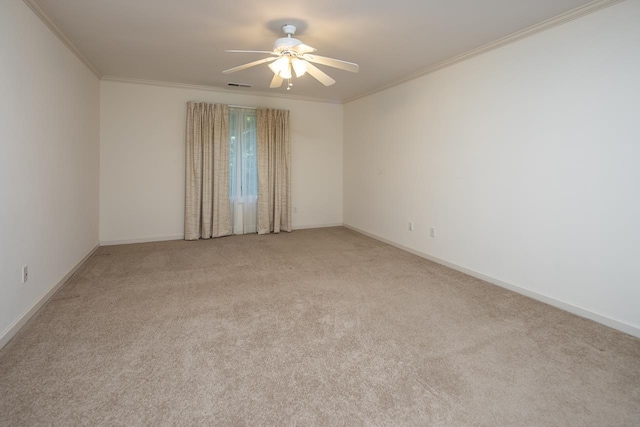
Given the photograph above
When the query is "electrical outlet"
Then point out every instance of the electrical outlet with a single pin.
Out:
(295, 209)
(25, 274)
(410, 226)
(432, 232)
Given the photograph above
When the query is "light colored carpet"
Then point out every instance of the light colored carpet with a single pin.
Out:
(316, 327)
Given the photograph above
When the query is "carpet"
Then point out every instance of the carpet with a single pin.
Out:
(315, 327)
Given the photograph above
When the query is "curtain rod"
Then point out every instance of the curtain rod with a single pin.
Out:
(233, 106)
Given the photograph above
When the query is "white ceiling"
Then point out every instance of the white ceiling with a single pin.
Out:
(183, 41)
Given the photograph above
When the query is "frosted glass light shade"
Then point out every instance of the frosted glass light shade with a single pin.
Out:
(286, 73)
(279, 65)
(299, 66)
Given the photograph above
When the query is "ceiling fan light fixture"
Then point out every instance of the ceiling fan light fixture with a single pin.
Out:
(299, 66)
(291, 56)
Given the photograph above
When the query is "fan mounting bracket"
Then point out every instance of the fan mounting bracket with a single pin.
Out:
(289, 29)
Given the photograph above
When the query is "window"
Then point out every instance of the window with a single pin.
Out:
(243, 170)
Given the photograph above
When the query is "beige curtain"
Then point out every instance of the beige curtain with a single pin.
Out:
(207, 208)
(274, 171)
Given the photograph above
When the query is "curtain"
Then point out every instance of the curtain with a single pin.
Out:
(274, 171)
(243, 170)
(207, 209)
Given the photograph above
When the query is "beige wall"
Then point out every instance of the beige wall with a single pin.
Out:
(523, 159)
(142, 158)
(49, 136)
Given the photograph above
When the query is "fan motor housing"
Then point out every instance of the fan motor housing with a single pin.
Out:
(285, 43)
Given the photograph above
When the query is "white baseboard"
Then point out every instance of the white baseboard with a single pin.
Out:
(141, 240)
(563, 305)
(17, 324)
(303, 227)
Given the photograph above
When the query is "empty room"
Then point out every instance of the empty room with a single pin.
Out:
(320, 213)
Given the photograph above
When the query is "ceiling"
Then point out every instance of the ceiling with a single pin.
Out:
(184, 41)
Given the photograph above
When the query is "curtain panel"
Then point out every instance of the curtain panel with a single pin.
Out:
(207, 207)
(274, 171)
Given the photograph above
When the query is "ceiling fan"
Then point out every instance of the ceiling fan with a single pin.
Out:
(291, 54)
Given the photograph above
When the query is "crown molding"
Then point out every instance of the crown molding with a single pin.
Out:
(44, 17)
(571, 15)
(216, 89)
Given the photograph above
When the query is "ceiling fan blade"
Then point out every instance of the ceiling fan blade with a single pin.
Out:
(304, 48)
(276, 82)
(250, 64)
(250, 51)
(320, 75)
(331, 62)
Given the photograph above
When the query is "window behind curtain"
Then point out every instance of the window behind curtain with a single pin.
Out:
(243, 170)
